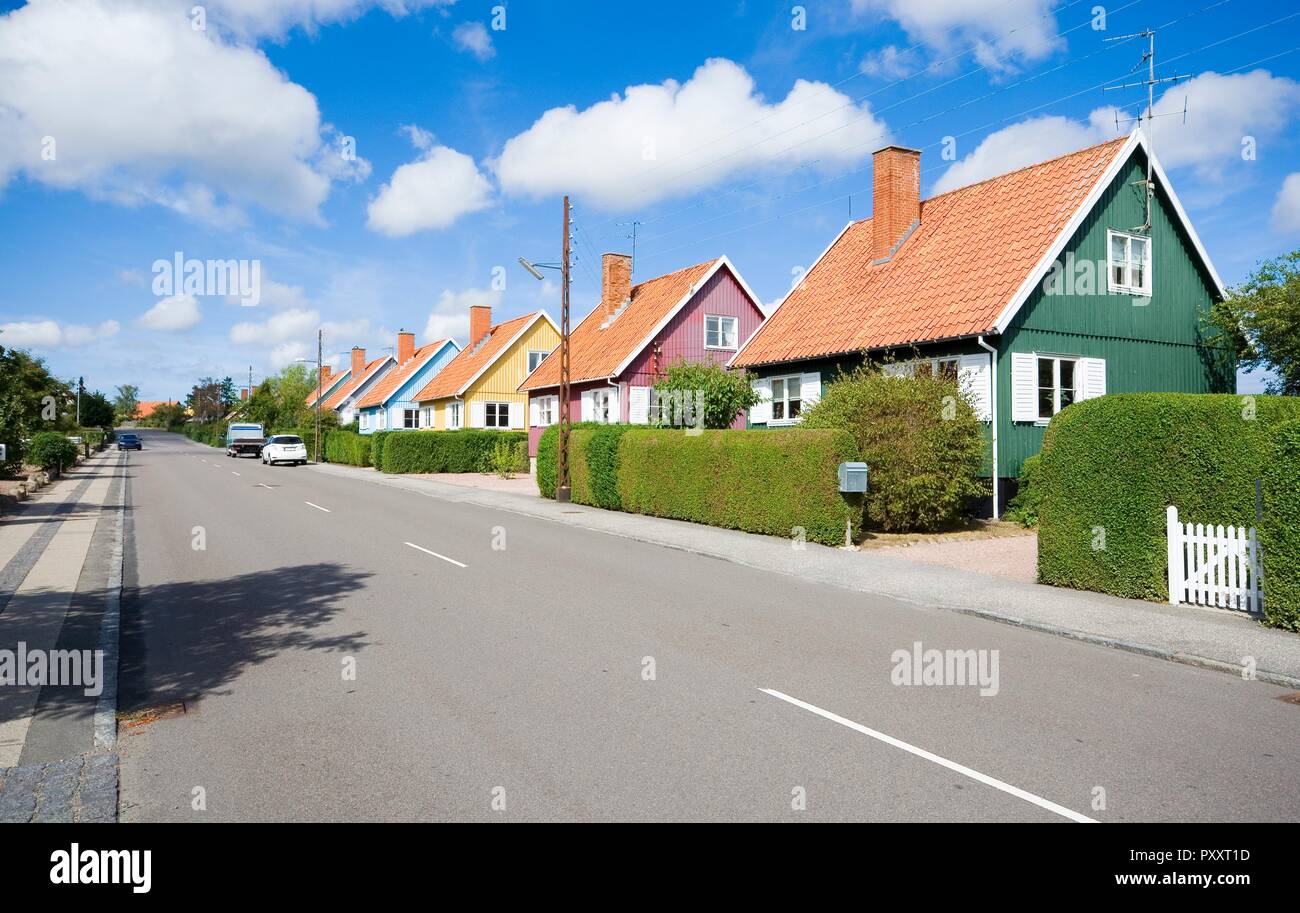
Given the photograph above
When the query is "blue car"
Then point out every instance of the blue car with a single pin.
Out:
(129, 442)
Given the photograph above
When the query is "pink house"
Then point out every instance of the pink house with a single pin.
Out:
(704, 313)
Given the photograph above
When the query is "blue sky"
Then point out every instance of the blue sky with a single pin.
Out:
(130, 131)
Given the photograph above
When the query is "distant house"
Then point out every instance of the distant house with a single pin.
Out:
(362, 375)
(328, 384)
(700, 314)
(480, 388)
(390, 403)
(1038, 288)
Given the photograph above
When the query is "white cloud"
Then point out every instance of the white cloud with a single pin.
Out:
(450, 316)
(296, 323)
(420, 138)
(1025, 143)
(286, 354)
(1286, 211)
(474, 38)
(49, 334)
(172, 315)
(702, 131)
(1001, 33)
(126, 102)
(275, 295)
(890, 62)
(1222, 111)
(275, 18)
(430, 193)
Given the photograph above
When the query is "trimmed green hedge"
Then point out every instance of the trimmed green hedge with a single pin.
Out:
(446, 451)
(347, 448)
(52, 450)
(760, 481)
(548, 451)
(1110, 467)
(377, 448)
(212, 434)
(1280, 533)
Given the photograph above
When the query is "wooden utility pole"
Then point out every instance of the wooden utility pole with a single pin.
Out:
(562, 488)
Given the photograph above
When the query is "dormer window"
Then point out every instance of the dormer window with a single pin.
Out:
(1130, 264)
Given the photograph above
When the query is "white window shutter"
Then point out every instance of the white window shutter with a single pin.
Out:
(638, 404)
(518, 416)
(973, 374)
(1024, 387)
(588, 406)
(810, 390)
(1094, 377)
(761, 412)
(534, 412)
(615, 409)
(478, 415)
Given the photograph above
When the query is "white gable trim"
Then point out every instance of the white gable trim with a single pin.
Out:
(540, 315)
(367, 381)
(1137, 139)
(424, 364)
(685, 300)
(787, 295)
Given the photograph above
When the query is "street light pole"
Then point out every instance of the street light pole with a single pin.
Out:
(320, 385)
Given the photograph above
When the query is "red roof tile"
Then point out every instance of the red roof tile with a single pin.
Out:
(475, 357)
(335, 399)
(962, 265)
(596, 350)
(394, 379)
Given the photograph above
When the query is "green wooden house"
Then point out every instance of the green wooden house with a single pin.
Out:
(1038, 288)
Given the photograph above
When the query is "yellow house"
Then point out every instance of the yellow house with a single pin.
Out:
(479, 388)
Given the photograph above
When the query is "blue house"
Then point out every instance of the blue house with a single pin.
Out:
(389, 404)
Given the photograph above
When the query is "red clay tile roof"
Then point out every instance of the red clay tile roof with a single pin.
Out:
(400, 375)
(473, 358)
(335, 399)
(596, 351)
(327, 387)
(973, 249)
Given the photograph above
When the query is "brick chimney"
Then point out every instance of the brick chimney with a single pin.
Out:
(615, 282)
(243, 393)
(358, 361)
(405, 347)
(480, 322)
(325, 372)
(896, 198)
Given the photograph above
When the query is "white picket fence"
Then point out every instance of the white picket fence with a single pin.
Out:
(1214, 565)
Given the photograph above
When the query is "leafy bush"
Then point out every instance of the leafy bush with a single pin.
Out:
(1280, 533)
(448, 451)
(1110, 468)
(921, 440)
(724, 394)
(1024, 507)
(51, 450)
(347, 448)
(377, 448)
(507, 456)
(774, 482)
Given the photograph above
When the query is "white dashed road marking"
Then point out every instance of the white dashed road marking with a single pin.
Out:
(317, 506)
(436, 555)
(929, 756)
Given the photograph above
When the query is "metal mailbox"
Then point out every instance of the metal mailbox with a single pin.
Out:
(853, 478)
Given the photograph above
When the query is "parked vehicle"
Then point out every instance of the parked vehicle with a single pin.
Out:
(129, 442)
(245, 440)
(285, 448)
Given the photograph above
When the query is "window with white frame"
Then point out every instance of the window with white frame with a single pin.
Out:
(365, 420)
(426, 417)
(601, 401)
(410, 419)
(497, 415)
(1130, 263)
(547, 407)
(535, 358)
(381, 419)
(455, 416)
(787, 398)
(1057, 384)
(721, 332)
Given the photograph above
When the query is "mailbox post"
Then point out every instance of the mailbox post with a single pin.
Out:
(854, 480)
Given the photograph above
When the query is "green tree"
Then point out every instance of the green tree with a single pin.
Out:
(724, 393)
(921, 440)
(205, 401)
(31, 400)
(96, 410)
(1260, 322)
(126, 404)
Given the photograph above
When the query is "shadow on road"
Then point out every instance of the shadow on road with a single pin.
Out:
(182, 641)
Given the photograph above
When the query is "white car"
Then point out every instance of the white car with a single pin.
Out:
(285, 448)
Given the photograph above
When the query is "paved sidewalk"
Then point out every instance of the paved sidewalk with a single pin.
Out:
(55, 570)
(1202, 637)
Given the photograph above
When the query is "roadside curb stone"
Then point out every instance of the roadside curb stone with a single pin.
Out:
(81, 790)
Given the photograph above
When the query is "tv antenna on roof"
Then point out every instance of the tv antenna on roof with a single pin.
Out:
(634, 225)
(1149, 58)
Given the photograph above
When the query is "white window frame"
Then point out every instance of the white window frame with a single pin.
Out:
(1039, 358)
(456, 420)
(784, 401)
(548, 408)
(426, 417)
(410, 419)
(489, 419)
(365, 420)
(602, 406)
(541, 357)
(722, 336)
(1127, 287)
(381, 420)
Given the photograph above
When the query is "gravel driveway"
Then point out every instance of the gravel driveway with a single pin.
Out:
(1009, 557)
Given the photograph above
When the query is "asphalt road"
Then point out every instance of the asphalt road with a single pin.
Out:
(572, 675)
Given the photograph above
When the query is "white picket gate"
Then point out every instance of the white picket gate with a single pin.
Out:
(1214, 565)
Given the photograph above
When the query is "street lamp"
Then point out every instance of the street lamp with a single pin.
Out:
(562, 488)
